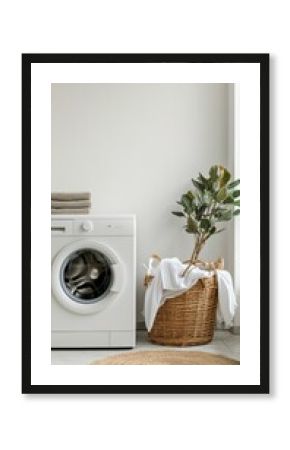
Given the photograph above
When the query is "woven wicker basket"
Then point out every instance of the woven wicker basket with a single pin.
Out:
(189, 318)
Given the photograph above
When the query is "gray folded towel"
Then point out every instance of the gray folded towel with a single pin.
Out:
(70, 204)
(69, 210)
(59, 196)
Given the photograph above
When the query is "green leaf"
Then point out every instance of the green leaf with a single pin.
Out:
(236, 194)
(189, 195)
(185, 200)
(203, 181)
(187, 204)
(220, 209)
(225, 177)
(206, 198)
(191, 226)
(199, 211)
(222, 194)
(237, 203)
(236, 212)
(233, 184)
(213, 172)
(225, 216)
(205, 224)
(220, 230)
(218, 212)
(198, 185)
(229, 200)
(178, 213)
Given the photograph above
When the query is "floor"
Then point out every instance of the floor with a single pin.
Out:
(224, 343)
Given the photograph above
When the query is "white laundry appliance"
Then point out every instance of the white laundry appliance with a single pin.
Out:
(93, 277)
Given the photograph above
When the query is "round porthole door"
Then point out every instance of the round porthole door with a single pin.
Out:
(86, 276)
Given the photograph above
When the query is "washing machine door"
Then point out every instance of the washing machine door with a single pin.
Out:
(87, 276)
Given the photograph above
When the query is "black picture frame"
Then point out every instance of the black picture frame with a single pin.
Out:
(263, 61)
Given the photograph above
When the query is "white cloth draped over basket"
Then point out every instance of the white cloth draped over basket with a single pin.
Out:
(168, 282)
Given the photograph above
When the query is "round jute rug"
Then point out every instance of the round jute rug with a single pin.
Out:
(166, 358)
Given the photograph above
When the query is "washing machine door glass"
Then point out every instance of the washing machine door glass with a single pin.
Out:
(86, 276)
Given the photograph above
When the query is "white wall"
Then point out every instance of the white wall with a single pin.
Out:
(136, 148)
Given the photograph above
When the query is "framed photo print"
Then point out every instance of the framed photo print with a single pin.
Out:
(145, 223)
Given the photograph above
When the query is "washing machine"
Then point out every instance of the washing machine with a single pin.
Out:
(93, 277)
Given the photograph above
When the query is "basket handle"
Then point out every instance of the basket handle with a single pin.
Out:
(214, 265)
(204, 265)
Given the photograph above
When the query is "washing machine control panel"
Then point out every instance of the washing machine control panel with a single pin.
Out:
(87, 226)
(102, 226)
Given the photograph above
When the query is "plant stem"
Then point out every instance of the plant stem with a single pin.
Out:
(202, 238)
(199, 244)
(198, 248)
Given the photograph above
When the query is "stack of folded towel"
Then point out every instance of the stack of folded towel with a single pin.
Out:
(70, 202)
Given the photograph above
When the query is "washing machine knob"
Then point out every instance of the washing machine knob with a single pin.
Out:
(87, 226)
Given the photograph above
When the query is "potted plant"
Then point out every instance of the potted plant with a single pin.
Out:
(216, 199)
(189, 318)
